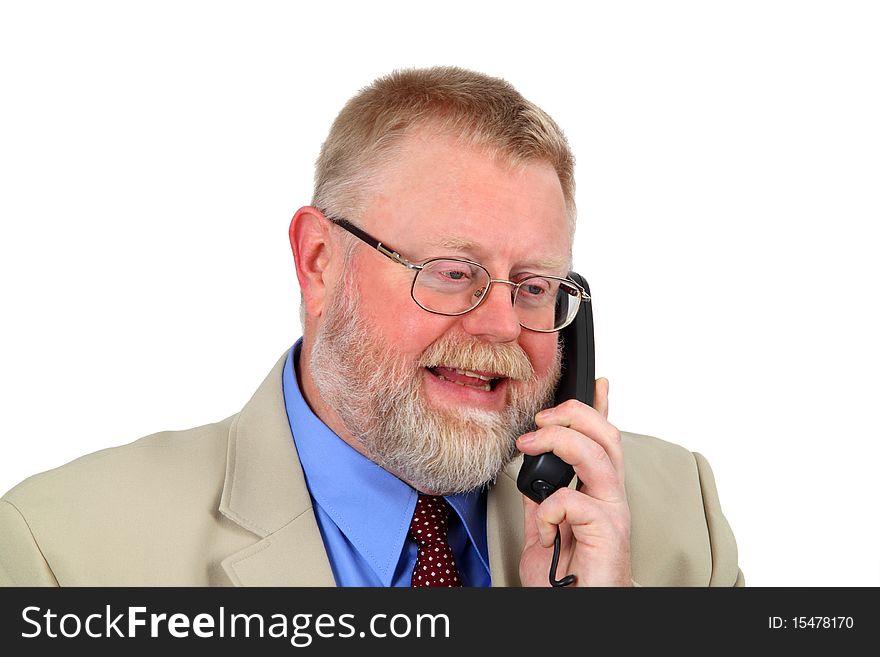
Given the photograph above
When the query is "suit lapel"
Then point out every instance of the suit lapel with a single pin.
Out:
(287, 557)
(265, 493)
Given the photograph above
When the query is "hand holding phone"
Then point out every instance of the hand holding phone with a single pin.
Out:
(598, 508)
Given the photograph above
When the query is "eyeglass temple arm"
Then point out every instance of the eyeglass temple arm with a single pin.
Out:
(372, 241)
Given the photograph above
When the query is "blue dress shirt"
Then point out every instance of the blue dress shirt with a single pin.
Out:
(364, 512)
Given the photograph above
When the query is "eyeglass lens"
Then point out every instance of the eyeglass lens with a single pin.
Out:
(454, 287)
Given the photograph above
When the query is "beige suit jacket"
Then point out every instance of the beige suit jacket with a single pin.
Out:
(226, 504)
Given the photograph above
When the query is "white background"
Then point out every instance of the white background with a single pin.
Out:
(152, 154)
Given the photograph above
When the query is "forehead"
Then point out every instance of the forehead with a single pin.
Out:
(438, 196)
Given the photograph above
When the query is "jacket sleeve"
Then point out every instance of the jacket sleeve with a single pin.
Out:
(21, 561)
(725, 567)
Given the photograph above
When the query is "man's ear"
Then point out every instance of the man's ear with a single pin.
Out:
(312, 252)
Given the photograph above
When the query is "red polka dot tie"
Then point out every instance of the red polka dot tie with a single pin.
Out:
(435, 563)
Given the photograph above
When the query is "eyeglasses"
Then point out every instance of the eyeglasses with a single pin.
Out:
(453, 286)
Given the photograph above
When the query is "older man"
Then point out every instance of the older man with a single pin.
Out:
(380, 450)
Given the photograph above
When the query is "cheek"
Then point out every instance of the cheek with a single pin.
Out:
(541, 350)
(401, 322)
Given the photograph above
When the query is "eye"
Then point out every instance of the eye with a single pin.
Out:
(451, 276)
(535, 287)
(537, 292)
(454, 274)
(451, 271)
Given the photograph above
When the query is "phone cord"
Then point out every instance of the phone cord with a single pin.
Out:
(568, 579)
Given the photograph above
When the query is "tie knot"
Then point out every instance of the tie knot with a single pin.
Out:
(430, 523)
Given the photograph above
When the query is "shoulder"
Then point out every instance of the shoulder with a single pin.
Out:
(639, 448)
(654, 466)
(154, 461)
(147, 500)
(679, 534)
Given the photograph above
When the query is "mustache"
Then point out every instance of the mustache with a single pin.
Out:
(505, 359)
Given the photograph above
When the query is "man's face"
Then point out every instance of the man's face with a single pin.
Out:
(388, 367)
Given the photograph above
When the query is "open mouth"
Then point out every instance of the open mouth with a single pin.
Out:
(485, 381)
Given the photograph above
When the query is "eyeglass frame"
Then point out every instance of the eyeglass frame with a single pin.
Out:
(391, 254)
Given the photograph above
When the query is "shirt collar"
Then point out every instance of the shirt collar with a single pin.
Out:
(470, 508)
(372, 507)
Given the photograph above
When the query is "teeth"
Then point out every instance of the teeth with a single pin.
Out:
(474, 375)
(484, 388)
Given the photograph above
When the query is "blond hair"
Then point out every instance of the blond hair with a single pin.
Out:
(478, 110)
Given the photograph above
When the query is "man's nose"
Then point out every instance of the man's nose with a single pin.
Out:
(495, 319)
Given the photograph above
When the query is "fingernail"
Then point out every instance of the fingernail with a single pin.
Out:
(543, 415)
(526, 438)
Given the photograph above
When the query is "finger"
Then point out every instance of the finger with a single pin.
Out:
(590, 461)
(600, 397)
(588, 421)
(530, 526)
(565, 506)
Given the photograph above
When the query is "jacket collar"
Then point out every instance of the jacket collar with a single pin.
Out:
(505, 527)
(265, 493)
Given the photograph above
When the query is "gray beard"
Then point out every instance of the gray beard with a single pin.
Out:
(380, 399)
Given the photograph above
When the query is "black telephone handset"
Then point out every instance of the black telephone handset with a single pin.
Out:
(541, 475)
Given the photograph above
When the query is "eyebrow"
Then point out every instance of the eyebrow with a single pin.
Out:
(462, 244)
